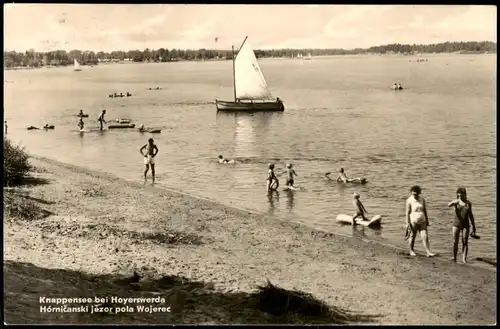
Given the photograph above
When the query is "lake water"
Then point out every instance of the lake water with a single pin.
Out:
(439, 133)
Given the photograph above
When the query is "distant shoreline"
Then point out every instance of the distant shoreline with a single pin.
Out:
(463, 52)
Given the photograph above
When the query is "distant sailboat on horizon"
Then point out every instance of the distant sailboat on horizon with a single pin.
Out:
(251, 93)
(76, 65)
(309, 57)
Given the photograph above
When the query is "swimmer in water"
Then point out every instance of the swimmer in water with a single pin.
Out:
(342, 178)
(272, 179)
(463, 213)
(81, 124)
(149, 157)
(360, 208)
(225, 161)
(417, 220)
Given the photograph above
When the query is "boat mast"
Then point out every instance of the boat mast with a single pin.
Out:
(234, 78)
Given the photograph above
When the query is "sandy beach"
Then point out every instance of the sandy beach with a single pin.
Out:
(206, 260)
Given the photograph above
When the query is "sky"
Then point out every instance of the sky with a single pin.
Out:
(108, 27)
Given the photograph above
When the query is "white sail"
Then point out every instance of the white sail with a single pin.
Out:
(249, 80)
(77, 65)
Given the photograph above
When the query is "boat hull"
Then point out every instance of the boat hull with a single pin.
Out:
(249, 106)
(121, 126)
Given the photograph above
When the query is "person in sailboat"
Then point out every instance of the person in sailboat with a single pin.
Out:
(149, 157)
(272, 181)
(225, 161)
(101, 119)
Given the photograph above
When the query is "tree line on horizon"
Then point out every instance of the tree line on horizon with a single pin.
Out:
(32, 58)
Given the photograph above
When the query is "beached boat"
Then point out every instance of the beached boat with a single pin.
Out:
(251, 93)
(76, 65)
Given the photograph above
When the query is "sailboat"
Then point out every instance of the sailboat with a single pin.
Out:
(251, 93)
(77, 65)
(309, 57)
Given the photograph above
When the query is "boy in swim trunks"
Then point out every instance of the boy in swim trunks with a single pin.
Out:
(289, 175)
(463, 213)
(271, 179)
(360, 209)
(151, 152)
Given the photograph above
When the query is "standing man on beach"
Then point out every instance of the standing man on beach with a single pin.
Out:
(461, 226)
(101, 119)
(6, 127)
(151, 152)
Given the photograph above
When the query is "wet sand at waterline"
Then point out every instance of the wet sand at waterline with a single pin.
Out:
(104, 225)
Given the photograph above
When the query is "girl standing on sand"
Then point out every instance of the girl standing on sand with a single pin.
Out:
(463, 213)
(417, 220)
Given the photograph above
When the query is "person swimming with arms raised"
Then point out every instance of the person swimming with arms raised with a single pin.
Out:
(272, 179)
(461, 226)
(151, 152)
(225, 161)
(342, 177)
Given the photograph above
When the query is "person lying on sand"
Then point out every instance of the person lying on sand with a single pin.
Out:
(272, 179)
(225, 161)
(463, 213)
(360, 208)
(151, 152)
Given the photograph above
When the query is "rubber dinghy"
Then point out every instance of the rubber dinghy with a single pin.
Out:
(346, 219)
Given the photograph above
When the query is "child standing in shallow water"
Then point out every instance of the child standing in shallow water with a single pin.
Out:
(272, 179)
(290, 173)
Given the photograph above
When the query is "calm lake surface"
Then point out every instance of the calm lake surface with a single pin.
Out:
(439, 133)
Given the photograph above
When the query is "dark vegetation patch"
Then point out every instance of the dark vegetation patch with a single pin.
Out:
(190, 301)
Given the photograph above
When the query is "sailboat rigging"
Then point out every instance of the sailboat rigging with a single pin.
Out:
(250, 89)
